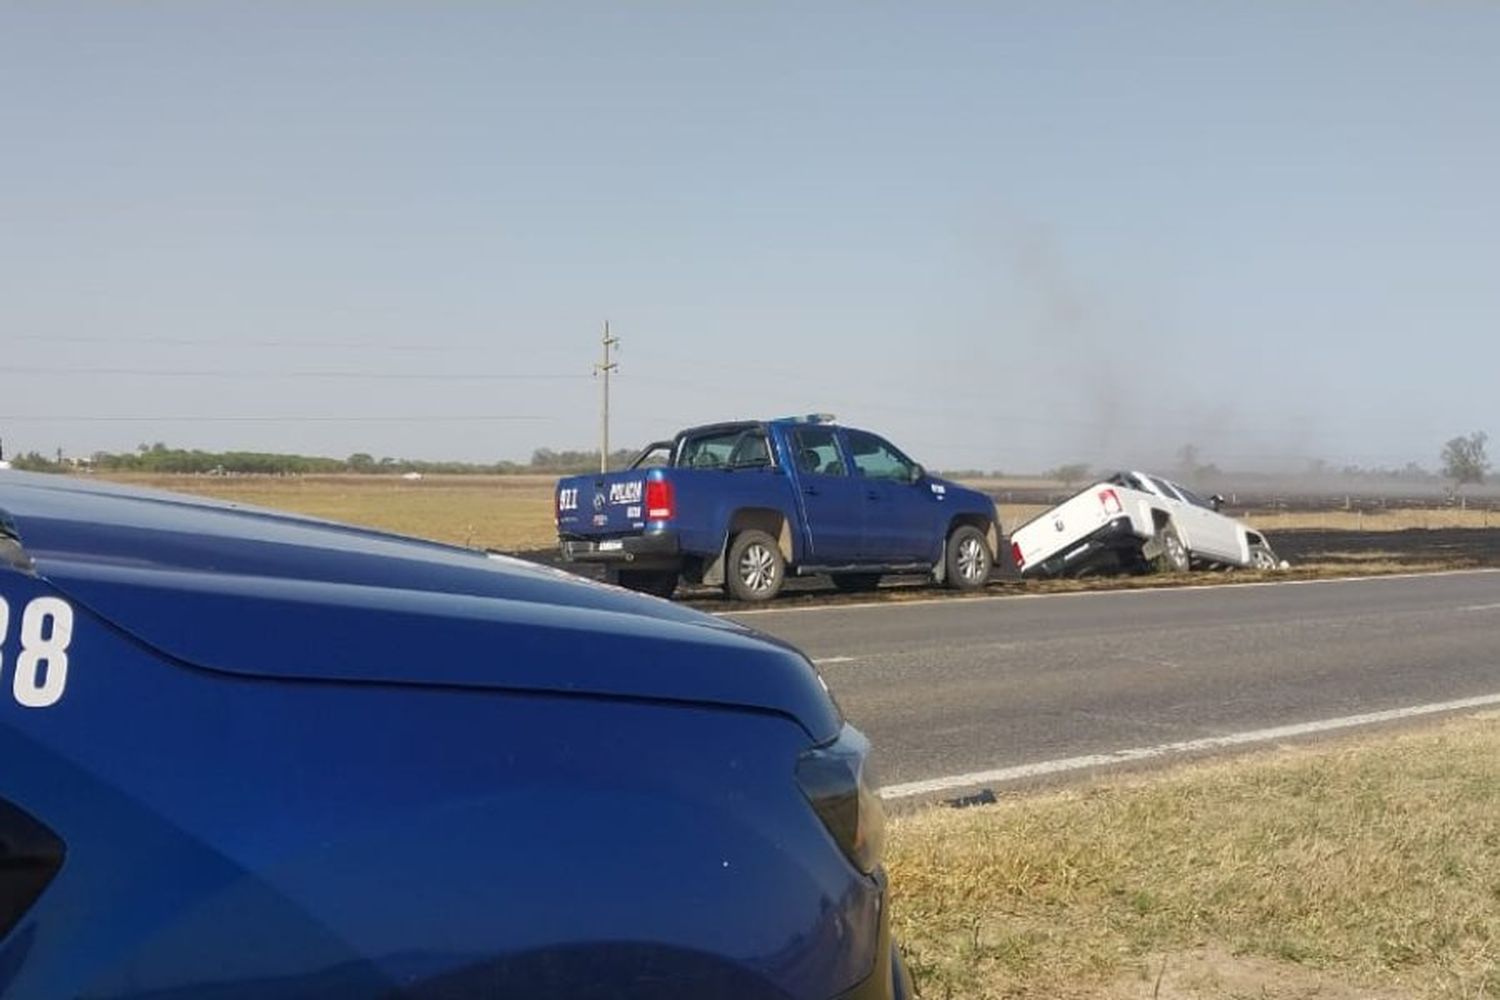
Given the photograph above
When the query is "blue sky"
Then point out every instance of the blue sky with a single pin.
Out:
(1008, 236)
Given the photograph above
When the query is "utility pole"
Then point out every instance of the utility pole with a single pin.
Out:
(604, 368)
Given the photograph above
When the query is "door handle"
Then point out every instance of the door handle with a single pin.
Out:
(811, 491)
(872, 495)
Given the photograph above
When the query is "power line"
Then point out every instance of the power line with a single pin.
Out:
(353, 345)
(265, 419)
(352, 374)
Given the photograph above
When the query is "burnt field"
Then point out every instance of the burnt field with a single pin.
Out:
(1458, 547)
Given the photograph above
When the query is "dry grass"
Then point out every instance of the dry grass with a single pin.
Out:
(1013, 515)
(1352, 870)
(499, 512)
(515, 512)
(1398, 519)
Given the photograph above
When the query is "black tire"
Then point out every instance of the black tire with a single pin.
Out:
(968, 559)
(755, 570)
(1174, 557)
(856, 583)
(1262, 558)
(656, 582)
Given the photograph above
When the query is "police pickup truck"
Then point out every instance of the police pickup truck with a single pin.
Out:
(1130, 521)
(740, 505)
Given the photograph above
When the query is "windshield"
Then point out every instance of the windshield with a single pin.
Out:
(1193, 498)
(1164, 488)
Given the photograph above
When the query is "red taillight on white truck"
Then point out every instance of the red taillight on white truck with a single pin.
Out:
(1015, 554)
(1110, 501)
(660, 503)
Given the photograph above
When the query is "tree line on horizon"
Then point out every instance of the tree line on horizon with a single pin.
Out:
(159, 458)
(1464, 460)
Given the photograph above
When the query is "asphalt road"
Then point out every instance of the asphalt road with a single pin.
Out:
(950, 688)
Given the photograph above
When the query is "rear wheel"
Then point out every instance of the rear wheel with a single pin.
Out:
(656, 582)
(856, 583)
(1174, 554)
(968, 558)
(756, 569)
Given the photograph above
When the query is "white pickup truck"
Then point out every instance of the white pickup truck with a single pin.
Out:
(1130, 521)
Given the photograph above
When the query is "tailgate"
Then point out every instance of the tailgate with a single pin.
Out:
(1059, 527)
(603, 504)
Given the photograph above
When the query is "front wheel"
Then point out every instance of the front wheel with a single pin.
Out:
(1261, 557)
(756, 569)
(968, 559)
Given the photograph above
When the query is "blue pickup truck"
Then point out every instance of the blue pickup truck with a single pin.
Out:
(740, 505)
(253, 756)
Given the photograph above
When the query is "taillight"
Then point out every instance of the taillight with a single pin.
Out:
(659, 500)
(837, 780)
(1015, 554)
(1110, 500)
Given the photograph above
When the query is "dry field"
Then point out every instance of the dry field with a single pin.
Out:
(1375, 875)
(515, 512)
(490, 512)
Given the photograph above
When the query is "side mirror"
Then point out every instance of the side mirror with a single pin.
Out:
(1216, 501)
(917, 475)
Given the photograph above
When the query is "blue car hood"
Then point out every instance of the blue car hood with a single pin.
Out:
(965, 494)
(256, 593)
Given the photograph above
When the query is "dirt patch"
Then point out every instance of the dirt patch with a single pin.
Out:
(1213, 973)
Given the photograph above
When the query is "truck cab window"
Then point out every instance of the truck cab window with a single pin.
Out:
(713, 451)
(818, 452)
(877, 459)
(750, 451)
(657, 455)
(1164, 489)
(1192, 497)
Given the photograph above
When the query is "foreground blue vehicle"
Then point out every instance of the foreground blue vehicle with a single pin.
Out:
(254, 756)
(740, 505)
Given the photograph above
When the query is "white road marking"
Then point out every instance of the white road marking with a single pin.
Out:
(1481, 607)
(1046, 767)
(957, 601)
(835, 659)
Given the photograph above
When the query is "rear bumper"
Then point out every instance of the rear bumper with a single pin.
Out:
(657, 548)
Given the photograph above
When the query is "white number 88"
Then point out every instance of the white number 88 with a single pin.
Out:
(42, 667)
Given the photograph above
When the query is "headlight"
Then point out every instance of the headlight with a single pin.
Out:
(837, 780)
